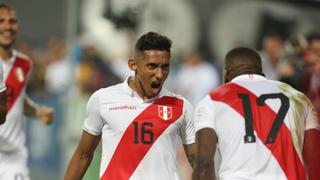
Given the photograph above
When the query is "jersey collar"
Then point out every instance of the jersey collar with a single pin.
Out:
(248, 77)
(11, 59)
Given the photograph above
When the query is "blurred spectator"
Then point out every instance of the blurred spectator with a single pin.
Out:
(91, 74)
(100, 73)
(292, 65)
(121, 69)
(272, 51)
(57, 77)
(310, 82)
(195, 78)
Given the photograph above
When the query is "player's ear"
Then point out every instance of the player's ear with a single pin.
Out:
(132, 64)
(227, 77)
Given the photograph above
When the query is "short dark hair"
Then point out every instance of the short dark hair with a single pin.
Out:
(243, 53)
(153, 41)
(4, 6)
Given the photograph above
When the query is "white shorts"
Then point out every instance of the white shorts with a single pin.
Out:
(13, 165)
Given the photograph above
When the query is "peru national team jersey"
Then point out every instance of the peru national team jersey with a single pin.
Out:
(12, 135)
(260, 126)
(140, 139)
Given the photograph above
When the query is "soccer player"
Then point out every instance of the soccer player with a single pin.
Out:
(140, 122)
(3, 97)
(16, 67)
(261, 127)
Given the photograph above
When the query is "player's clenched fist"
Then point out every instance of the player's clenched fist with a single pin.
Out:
(45, 114)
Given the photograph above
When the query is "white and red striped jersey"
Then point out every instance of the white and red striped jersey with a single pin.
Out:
(139, 138)
(260, 126)
(12, 133)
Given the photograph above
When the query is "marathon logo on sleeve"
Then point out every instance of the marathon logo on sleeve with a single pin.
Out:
(124, 107)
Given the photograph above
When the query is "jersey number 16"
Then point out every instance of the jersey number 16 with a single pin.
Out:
(146, 134)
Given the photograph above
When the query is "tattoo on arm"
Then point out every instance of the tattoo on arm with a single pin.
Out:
(191, 159)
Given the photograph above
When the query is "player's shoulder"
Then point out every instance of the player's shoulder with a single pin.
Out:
(291, 92)
(22, 58)
(110, 91)
(21, 55)
(222, 90)
(170, 94)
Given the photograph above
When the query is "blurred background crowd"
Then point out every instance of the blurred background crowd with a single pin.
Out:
(79, 46)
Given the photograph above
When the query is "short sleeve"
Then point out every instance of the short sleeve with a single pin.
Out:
(204, 114)
(2, 84)
(93, 123)
(188, 133)
(312, 121)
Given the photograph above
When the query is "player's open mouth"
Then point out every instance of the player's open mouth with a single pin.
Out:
(155, 86)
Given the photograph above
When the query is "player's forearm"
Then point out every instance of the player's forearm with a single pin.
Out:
(203, 169)
(30, 107)
(190, 151)
(191, 159)
(311, 153)
(78, 166)
(3, 107)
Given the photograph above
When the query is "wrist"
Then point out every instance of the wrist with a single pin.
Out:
(35, 108)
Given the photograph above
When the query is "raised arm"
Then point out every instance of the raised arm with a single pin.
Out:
(82, 157)
(206, 139)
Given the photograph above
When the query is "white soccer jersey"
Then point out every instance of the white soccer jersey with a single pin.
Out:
(139, 138)
(12, 134)
(260, 125)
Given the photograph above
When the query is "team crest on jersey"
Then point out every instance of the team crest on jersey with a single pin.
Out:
(19, 74)
(165, 112)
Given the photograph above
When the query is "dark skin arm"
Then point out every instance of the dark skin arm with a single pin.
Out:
(190, 151)
(311, 153)
(3, 107)
(206, 146)
(82, 157)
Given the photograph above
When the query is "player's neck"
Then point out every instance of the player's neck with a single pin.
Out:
(5, 54)
(135, 85)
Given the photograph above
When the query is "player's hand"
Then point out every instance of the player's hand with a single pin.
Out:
(45, 114)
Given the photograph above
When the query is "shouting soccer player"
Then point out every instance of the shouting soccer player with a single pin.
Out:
(140, 122)
(261, 126)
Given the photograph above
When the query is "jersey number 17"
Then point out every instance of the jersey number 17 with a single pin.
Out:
(246, 103)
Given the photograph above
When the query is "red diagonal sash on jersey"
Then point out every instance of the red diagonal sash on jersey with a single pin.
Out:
(287, 158)
(128, 153)
(16, 80)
